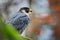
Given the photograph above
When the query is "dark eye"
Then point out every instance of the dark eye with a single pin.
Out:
(30, 11)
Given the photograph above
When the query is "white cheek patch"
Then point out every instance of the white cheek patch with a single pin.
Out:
(27, 14)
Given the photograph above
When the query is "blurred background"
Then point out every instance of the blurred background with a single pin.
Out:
(45, 17)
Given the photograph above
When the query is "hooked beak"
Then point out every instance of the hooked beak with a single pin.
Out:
(30, 12)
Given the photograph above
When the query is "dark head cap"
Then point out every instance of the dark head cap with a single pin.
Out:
(25, 8)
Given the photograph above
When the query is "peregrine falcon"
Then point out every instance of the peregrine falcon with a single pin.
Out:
(20, 19)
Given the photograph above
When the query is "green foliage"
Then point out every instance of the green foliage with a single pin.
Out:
(7, 32)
